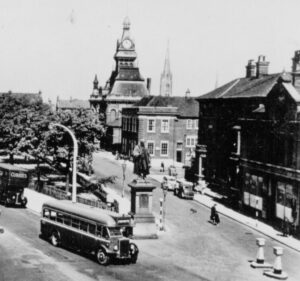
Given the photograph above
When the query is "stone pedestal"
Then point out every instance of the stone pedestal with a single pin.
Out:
(141, 209)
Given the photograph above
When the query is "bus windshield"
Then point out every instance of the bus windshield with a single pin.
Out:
(115, 231)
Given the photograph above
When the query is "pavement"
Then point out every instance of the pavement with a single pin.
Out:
(207, 199)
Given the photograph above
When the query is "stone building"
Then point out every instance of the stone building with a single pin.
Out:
(249, 131)
(124, 88)
(167, 125)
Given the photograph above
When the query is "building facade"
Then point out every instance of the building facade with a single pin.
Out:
(248, 142)
(124, 88)
(167, 125)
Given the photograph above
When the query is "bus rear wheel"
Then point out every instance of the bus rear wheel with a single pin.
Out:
(54, 238)
(102, 257)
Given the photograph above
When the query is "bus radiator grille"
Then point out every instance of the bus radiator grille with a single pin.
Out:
(124, 247)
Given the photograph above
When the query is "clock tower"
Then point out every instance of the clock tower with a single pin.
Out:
(166, 82)
(125, 55)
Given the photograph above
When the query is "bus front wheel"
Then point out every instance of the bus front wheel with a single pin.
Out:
(54, 238)
(102, 257)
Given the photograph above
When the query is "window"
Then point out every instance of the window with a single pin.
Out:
(92, 228)
(53, 215)
(113, 115)
(165, 126)
(150, 147)
(196, 123)
(151, 125)
(83, 226)
(134, 124)
(164, 148)
(189, 124)
(191, 141)
(46, 213)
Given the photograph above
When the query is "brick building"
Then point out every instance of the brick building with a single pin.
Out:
(167, 125)
(248, 141)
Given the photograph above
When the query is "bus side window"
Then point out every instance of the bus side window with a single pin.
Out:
(75, 223)
(105, 232)
(60, 217)
(92, 228)
(46, 213)
(67, 220)
(83, 225)
(99, 230)
(53, 215)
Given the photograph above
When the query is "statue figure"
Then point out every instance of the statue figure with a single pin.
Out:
(141, 160)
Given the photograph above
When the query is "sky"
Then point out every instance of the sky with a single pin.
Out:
(57, 46)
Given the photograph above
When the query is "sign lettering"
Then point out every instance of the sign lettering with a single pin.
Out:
(18, 175)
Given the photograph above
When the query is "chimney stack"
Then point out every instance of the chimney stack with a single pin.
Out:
(187, 94)
(149, 85)
(250, 69)
(262, 66)
(296, 69)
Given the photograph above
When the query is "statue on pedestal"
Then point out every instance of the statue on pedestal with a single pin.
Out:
(141, 160)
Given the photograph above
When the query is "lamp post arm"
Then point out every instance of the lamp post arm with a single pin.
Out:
(75, 154)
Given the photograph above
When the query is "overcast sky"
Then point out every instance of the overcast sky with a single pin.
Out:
(57, 46)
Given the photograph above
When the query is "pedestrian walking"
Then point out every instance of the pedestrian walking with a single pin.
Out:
(214, 216)
(162, 166)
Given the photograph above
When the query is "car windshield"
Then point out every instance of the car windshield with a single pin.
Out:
(114, 231)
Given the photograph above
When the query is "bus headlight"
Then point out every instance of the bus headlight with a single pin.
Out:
(115, 248)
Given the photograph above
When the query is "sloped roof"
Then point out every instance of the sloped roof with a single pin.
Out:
(130, 74)
(244, 88)
(73, 104)
(186, 107)
(129, 89)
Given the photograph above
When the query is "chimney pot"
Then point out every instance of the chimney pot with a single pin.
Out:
(296, 69)
(262, 66)
(250, 69)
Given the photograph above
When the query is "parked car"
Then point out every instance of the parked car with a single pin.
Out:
(169, 182)
(184, 189)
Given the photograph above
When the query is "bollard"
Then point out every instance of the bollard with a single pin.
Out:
(260, 259)
(161, 226)
(277, 271)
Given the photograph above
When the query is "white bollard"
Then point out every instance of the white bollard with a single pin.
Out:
(260, 259)
(161, 210)
(277, 271)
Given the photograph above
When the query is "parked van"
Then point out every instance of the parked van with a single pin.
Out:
(184, 189)
(13, 180)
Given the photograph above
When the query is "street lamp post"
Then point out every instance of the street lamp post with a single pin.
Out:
(124, 170)
(75, 153)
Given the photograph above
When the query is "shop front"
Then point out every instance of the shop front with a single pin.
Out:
(271, 193)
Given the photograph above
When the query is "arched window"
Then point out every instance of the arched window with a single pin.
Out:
(113, 115)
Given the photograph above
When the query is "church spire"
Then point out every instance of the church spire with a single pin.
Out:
(96, 82)
(166, 76)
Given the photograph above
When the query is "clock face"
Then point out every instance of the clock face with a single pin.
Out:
(126, 44)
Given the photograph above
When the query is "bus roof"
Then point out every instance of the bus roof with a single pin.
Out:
(102, 216)
(11, 167)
